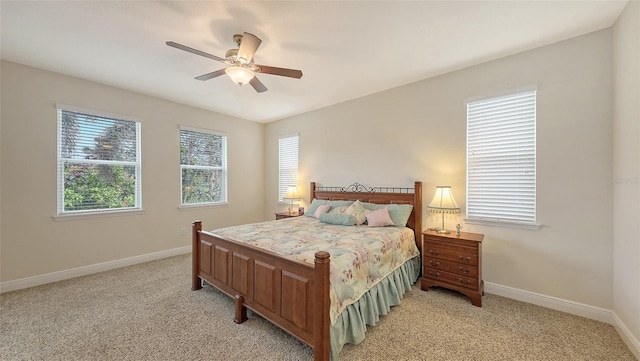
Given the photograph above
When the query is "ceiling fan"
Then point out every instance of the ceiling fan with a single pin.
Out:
(241, 67)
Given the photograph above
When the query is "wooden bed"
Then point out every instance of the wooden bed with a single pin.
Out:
(292, 295)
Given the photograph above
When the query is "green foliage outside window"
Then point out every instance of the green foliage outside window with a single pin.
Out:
(90, 187)
(98, 159)
(202, 159)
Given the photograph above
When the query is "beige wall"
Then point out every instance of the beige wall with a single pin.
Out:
(33, 243)
(626, 169)
(418, 132)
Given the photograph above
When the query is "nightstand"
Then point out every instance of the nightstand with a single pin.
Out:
(287, 215)
(453, 261)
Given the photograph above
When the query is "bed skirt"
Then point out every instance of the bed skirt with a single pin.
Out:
(352, 322)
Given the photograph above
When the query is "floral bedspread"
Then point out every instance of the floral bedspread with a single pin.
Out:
(361, 256)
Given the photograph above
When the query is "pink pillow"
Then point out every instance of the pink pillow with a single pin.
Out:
(324, 208)
(379, 218)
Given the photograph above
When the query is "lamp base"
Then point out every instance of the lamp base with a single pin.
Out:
(443, 231)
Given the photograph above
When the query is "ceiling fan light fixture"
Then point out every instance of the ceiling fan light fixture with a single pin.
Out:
(239, 75)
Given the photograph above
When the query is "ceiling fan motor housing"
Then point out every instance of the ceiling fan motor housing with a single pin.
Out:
(232, 56)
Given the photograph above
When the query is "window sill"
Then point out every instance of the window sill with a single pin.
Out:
(506, 224)
(189, 207)
(99, 214)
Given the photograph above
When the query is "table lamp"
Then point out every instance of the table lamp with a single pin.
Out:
(443, 202)
(292, 195)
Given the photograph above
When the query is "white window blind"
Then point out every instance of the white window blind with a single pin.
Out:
(501, 158)
(288, 164)
(98, 163)
(203, 165)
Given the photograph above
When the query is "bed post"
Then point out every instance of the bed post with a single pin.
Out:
(417, 207)
(321, 322)
(312, 192)
(195, 256)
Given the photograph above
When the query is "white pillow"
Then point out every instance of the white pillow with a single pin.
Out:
(379, 218)
(323, 208)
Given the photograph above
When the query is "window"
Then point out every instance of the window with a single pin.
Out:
(98, 162)
(203, 166)
(288, 164)
(501, 161)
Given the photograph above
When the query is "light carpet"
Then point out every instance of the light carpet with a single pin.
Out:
(148, 312)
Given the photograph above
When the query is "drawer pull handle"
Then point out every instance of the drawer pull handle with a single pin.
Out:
(437, 253)
(434, 274)
(466, 282)
(434, 264)
(464, 270)
(465, 259)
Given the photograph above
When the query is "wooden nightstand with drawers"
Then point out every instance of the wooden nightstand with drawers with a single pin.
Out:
(453, 261)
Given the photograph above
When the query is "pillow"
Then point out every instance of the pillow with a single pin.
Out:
(378, 218)
(338, 219)
(399, 213)
(357, 210)
(339, 210)
(323, 208)
(317, 202)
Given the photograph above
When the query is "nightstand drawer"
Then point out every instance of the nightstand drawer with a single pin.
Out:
(453, 267)
(459, 280)
(464, 255)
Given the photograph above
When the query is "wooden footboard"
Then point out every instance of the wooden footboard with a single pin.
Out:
(292, 295)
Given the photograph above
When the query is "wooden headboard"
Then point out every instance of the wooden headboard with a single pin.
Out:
(379, 195)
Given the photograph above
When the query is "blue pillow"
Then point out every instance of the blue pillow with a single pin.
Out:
(338, 219)
(317, 202)
(399, 213)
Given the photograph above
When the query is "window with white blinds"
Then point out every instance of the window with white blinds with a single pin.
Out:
(98, 163)
(501, 160)
(203, 166)
(288, 164)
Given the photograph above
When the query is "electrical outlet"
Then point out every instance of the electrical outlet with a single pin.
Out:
(183, 231)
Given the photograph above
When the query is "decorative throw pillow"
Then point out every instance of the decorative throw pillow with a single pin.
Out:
(315, 203)
(339, 209)
(337, 219)
(379, 218)
(357, 210)
(399, 213)
(323, 208)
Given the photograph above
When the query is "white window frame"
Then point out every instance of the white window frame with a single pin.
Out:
(501, 160)
(223, 167)
(288, 156)
(79, 214)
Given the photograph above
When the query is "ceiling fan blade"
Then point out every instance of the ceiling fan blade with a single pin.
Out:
(211, 75)
(194, 51)
(248, 46)
(291, 73)
(257, 85)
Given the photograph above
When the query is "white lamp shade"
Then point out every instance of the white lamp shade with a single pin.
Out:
(443, 201)
(239, 75)
(292, 193)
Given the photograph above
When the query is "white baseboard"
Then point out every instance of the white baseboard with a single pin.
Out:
(554, 303)
(575, 308)
(87, 270)
(627, 336)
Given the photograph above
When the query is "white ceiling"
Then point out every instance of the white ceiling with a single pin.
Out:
(346, 49)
